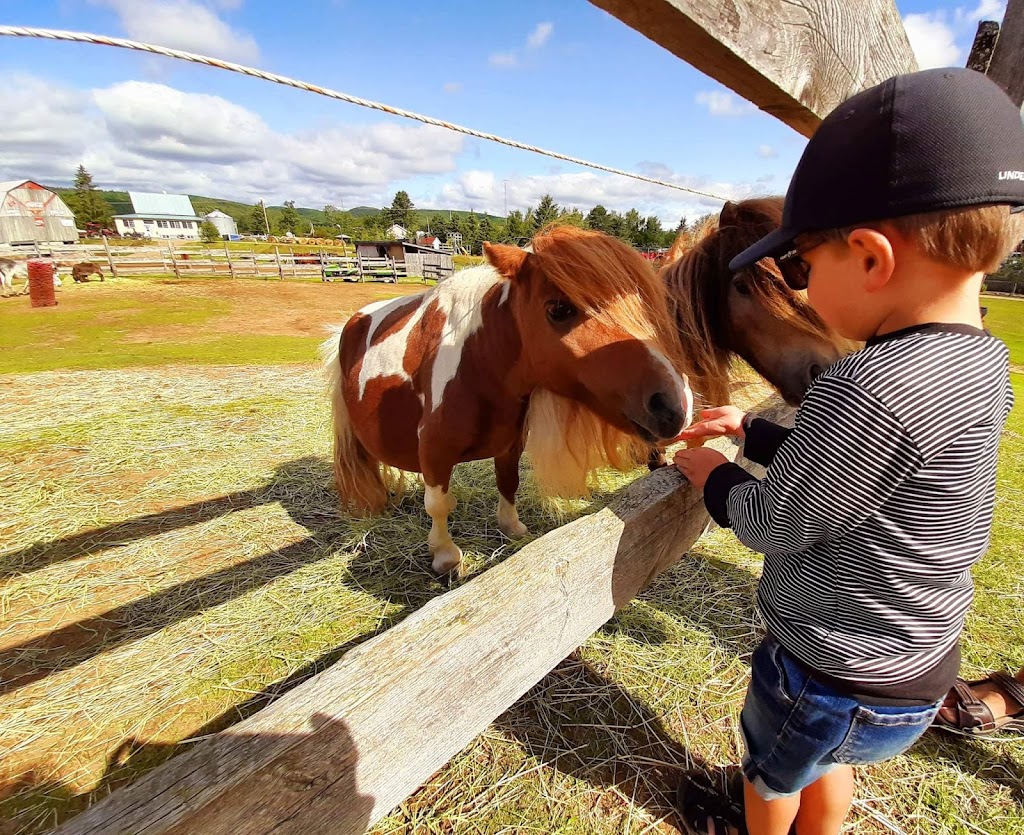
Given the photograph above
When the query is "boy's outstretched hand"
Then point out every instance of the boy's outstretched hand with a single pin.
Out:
(697, 464)
(713, 423)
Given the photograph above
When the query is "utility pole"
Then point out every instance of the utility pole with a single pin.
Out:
(265, 221)
(504, 184)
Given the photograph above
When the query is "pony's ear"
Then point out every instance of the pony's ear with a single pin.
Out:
(507, 260)
(728, 215)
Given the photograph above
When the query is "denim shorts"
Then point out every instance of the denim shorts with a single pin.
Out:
(797, 729)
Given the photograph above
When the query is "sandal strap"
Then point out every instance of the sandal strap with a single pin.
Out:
(1010, 685)
(971, 712)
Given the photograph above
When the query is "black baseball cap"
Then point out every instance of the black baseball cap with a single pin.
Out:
(920, 142)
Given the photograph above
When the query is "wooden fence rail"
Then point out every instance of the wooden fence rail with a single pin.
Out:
(338, 752)
(168, 259)
(796, 61)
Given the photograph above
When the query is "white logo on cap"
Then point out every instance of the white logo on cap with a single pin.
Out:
(1011, 175)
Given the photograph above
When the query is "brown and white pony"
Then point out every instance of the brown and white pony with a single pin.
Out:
(570, 346)
(751, 314)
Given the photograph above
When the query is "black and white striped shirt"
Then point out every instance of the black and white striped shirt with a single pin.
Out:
(875, 506)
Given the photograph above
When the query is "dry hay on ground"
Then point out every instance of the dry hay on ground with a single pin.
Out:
(172, 553)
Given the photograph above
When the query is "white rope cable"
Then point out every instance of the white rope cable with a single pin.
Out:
(104, 40)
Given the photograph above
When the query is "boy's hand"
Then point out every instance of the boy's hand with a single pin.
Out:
(713, 423)
(697, 464)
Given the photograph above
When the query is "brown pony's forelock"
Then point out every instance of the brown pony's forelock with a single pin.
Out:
(611, 282)
(698, 285)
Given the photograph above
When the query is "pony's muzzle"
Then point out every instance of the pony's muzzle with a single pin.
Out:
(665, 416)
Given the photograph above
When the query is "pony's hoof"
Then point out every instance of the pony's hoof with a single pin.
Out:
(447, 558)
(517, 530)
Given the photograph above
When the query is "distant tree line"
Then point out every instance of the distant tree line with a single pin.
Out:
(93, 211)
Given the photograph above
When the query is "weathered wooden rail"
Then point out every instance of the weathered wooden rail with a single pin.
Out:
(796, 61)
(342, 749)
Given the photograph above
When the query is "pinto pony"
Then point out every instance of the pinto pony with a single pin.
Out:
(569, 348)
(751, 314)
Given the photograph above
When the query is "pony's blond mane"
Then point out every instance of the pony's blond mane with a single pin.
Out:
(613, 283)
(698, 284)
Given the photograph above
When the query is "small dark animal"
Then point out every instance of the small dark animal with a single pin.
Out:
(81, 272)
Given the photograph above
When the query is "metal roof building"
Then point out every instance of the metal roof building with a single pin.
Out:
(159, 216)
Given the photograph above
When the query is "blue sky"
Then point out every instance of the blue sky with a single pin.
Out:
(562, 75)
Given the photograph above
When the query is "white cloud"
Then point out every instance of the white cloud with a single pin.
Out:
(535, 40)
(483, 191)
(943, 40)
(933, 40)
(985, 10)
(185, 24)
(503, 59)
(453, 87)
(767, 152)
(720, 103)
(151, 137)
(540, 34)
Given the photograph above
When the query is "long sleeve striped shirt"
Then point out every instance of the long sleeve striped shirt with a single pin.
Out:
(874, 508)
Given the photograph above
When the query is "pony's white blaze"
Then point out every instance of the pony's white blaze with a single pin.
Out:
(385, 359)
(460, 298)
(683, 394)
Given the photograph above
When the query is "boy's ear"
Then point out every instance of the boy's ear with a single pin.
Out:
(507, 260)
(875, 256)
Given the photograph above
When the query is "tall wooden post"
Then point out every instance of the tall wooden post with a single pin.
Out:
(174, 261)
(277, 257)
(227, 254)
(983, 47)
(1007, 67)
(110, 257)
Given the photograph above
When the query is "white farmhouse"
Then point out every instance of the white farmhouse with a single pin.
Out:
(168, 216)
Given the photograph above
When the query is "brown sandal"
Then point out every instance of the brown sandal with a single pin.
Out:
(973, 716)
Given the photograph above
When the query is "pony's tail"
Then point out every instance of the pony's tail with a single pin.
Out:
(358, 476)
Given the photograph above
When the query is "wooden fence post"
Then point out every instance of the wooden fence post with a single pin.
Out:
(983, 46)
(1007, 66)
(227, 254)
(174, 261)
(255, 263)
(110, 257)
(277, 258)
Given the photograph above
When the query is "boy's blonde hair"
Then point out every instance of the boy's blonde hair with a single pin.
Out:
(972, 238)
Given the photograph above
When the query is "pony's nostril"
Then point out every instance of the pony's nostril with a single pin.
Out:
(667, 414)
(814, 372)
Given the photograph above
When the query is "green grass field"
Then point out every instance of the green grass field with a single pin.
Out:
(171, 558)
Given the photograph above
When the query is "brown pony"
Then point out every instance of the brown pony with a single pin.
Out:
(751, 314)
(569, 349)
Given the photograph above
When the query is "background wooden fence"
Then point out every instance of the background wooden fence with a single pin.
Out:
(281, 263)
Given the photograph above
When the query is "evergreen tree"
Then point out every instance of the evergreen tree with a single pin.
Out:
(649, 234)
(257, 224)
(546, 212)
(631, 223)
(289, 221)
(400, 211)
(87, 204)
(599, 219)
(208, 232)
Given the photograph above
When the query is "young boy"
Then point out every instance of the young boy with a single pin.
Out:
(876, 505)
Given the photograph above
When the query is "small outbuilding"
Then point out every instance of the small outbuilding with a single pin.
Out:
(31, 213)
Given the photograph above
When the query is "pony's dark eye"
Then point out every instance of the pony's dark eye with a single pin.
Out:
(560, 311)
(742, 286)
